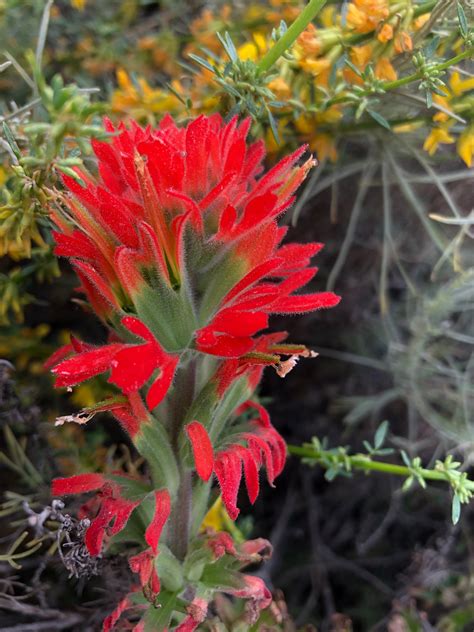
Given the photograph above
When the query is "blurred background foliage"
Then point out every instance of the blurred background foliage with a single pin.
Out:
(383, 93)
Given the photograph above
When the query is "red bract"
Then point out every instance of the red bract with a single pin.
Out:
(261, 445)
(130, 365)
(114, 510)
(177, 246)
(161, 190)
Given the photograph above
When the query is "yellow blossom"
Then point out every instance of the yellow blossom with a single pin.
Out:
(3, 175)
(365, 15)
(280, 88)
(459, 86)
(253, 50)
(437, 136)
(384, 70)
(84, 396)
(360, 57)
(405, 128)
(140, 100)
(215, 517)
(325, 147)
(440, 116)
(79, 4)
(315, 66)
(403, 42)
(329, 17)
(421, 21)
(465, 145)
(385, 34)
(308, 42)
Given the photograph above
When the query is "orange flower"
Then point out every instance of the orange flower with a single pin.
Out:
(309, 42)
(280, 88)
(365, 15)
(403, 42)
(385, 34)
(384, 70)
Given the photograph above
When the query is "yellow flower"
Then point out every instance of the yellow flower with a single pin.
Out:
(459, 86)
(403, 42)
(329, 17)
(215, 517)
(316, 66)
(384, 70)
(361, 55)
(405, 128)
(84, 396)
(465, 145)
(280, 88)
(365, 15)
(252, 51)
(385, 34)
(441, 117)
(421, 21)
(325, 147)
(322, 143)
(140, 100)
(308, 42)
(3, 175)
(78, 4)
(437, 136)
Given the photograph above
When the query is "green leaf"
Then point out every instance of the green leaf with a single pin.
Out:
(202, 62)
(353, 68)
(331, 474)
(431, 47)
(273, 126)
(381, 434)
(463, 27)
(228, 45)
(71, 173)
(379, 119)
(406, 458)
(367, 446)
(456, 509)
(407, 484)
(11, 141)
(158, 618)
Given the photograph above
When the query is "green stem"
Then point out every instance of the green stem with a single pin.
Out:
(365, 463)
(392, 85)
(305, 17)
(180, 519)
(403, 81)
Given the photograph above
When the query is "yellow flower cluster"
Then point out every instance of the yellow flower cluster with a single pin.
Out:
(458, 100)
(370, 33)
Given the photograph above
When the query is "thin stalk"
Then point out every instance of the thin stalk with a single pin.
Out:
(403, 81)
(286, 40)
(365, 463)
(386, 86)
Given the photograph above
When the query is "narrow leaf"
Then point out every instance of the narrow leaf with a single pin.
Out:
(456, 509)
(379, 119)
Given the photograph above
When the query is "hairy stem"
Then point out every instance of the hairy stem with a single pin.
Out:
(180, 518)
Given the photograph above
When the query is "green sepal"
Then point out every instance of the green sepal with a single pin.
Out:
(219, 280)
(169, 570)
(235, 395)
(154, 445)
(168, 313)
(130, 488)
(158, 616)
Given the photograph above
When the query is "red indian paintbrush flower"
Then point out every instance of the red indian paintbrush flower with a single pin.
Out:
(181, 231)
(177, 246)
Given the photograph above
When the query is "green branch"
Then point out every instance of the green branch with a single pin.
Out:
(338, 462)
